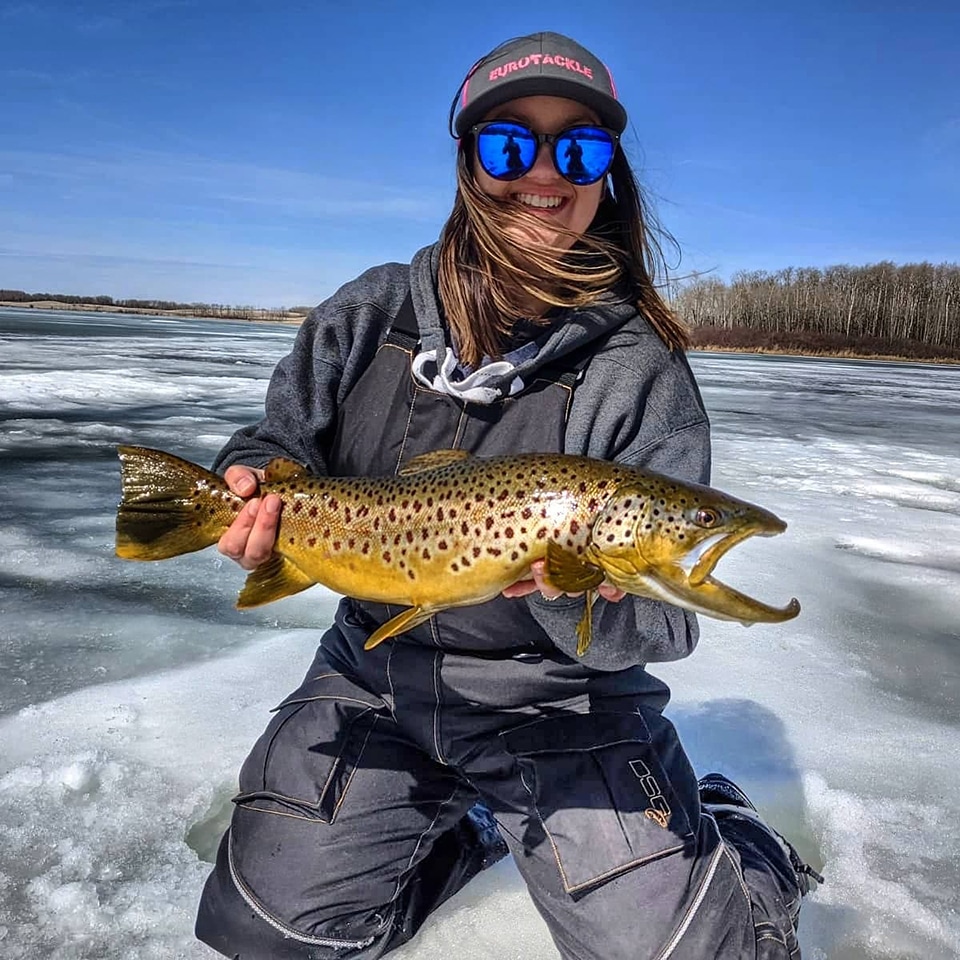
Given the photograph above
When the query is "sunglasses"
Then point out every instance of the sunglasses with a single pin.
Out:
(508, 150)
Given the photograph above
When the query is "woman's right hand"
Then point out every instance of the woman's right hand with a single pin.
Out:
(250, 538)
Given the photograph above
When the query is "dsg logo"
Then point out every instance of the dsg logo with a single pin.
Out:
(659, 809)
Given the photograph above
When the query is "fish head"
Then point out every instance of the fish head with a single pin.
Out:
(662, 538)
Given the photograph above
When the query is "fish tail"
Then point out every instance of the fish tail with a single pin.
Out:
(169, 506)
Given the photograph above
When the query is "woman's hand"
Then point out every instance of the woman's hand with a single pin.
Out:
(535, 582)
(251, 537)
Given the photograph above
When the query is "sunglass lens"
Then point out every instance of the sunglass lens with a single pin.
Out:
(506, 150)
(584, 154)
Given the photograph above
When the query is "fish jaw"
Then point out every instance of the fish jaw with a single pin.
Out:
(710, 597)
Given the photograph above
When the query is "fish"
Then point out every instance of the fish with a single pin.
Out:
(452, 529)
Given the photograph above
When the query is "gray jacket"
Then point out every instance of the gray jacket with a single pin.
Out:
(637, 403)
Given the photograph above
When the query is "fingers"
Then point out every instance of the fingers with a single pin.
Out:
(250, 539)
(535, 581)
(242, 480)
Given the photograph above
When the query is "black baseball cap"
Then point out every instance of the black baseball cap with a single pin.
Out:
(541, 64)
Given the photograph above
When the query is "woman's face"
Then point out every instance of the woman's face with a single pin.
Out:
(553, 200)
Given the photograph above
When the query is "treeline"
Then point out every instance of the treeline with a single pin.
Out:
(217, 310)
(912, 309)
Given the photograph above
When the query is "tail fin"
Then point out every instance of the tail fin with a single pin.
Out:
(170, 506)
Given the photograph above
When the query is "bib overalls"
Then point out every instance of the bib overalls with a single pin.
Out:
(347, 828)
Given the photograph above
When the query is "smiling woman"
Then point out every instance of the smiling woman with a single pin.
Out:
(398, 770)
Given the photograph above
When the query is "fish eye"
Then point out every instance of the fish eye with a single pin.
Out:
(705, 517)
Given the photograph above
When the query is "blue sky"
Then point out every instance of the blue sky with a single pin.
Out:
(252, 152)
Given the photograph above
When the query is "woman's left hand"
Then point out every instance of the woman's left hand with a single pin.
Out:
(535, 581)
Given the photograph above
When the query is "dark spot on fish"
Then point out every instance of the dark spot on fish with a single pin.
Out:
(312, 542)
(386, 556)
(334, 503)
(291, 540)
(411, 575)
(508, 533)
(610, 538)
(541, 533)
(376, 523)
(404, 504)
(336, 545)
(442, 545)
(313, 511)
(440, 514)
(465, 528)
(488, 522)
(494, 551)
(392, 515)
(425, 554)
(396, 540)
(476, 552)
(526, 513)
(574, 527)
(409, 536)
(454, 567)
(365, 549)
(465, 561)
(350, 543)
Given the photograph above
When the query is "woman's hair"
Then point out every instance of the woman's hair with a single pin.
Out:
(488, 277)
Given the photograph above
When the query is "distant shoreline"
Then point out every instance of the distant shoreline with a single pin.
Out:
(846, 352)
(290, 317)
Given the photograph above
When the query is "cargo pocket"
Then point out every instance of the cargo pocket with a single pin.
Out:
(304, 761)
(600, 800)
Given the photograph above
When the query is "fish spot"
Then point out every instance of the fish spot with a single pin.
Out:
(334, 503)
(365, 549)
(476, 552)
(392, 515)
(494, 551)
(313, 511)
(386, 556)
(290, 541)
(442, 545)
(409, 536)
(312, 542)
(425, 554)
(350, 543)
(526, 513)
(574, 527)
(411, 575)
(488, 522)
(508, 533)
(454, 567)
(541, 533)
(336, 546)
(514, 555)
(465, 561)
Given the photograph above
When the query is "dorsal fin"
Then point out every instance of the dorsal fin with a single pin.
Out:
(432, 461)
(280, 468)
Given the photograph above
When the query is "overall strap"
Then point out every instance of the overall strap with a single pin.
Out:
(405, 331)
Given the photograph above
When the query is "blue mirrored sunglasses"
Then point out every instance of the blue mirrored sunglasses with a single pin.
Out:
(508, 150)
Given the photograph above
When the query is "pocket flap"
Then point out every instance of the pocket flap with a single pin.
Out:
(566, 733)
(331, 686)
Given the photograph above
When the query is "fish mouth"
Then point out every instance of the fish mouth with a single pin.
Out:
(688, 582)
(699, 562)
(715, 598)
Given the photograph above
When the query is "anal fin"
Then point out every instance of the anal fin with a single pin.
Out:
(410, 618)
(278, 577)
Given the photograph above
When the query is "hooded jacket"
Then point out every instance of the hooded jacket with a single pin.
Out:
(636, 403)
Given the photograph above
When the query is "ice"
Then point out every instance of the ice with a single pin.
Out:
(130, 693)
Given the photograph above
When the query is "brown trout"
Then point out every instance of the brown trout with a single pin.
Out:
(453, 529)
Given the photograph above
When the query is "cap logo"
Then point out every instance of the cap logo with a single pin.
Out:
(539, 59)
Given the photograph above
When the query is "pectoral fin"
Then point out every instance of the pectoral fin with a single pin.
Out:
(410, 618)
(566, 571)
(273, 580)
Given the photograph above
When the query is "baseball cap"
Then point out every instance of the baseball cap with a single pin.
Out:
(540, 64)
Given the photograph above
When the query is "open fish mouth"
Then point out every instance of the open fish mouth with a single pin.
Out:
(690, 583)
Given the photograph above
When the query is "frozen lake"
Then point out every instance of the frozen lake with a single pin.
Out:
(130, 693)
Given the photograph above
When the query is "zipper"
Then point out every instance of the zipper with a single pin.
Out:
(695, 906)
(281, 927)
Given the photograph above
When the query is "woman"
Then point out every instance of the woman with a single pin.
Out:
(533, 325)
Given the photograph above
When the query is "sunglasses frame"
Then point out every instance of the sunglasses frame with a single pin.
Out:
(548, 138)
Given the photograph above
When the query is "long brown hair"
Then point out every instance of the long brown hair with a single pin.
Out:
(488, 277)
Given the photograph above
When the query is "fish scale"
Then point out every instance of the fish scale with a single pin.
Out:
(454, 530)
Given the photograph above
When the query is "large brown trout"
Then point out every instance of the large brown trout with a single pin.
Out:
(453, 529)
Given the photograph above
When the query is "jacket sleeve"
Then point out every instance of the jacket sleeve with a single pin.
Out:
(334, 346)
(300, 406)
(638, 630)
